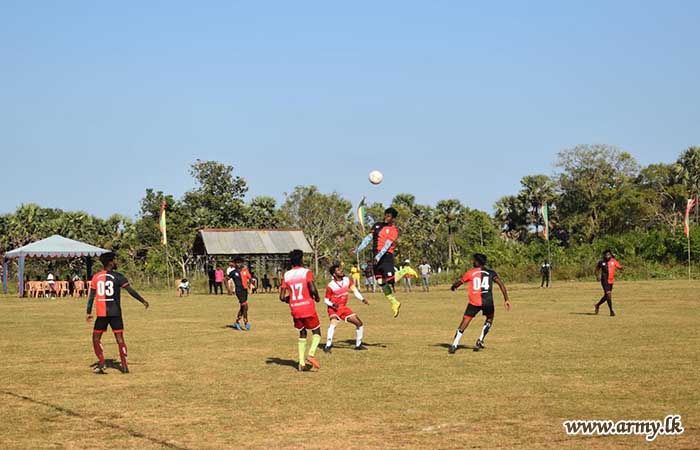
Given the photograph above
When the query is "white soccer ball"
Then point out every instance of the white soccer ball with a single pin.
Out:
(375, 177)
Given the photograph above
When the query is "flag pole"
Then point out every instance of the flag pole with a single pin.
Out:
(688, 255)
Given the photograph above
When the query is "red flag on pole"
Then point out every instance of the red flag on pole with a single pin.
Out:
(686, 222)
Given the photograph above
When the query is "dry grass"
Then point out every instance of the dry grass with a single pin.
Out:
(198, 385)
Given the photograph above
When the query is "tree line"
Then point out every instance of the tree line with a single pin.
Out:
(598, 197)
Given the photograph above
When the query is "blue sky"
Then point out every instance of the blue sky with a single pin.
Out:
(449, 99)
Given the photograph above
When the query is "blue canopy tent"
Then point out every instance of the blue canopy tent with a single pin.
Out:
(52, 247)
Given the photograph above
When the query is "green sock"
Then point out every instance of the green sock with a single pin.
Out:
(392, 299)
(315, 339)
(302, 350)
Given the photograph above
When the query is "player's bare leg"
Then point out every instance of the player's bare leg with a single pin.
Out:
(99, 351)
(119, 336)
(458, 334)
(329, 335)
(244, 310)
(484, 331)
(359, 330)
(608, 296)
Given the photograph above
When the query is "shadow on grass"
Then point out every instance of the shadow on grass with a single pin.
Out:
(93, 420)
(584, 314)
(282, 362)
(350, 343)
(110, 363)
(233, 327)
(443, 345)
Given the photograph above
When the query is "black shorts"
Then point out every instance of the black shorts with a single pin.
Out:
(115, 323)
(486, 308)
(607, 287)
(384, 269)
(242, 296)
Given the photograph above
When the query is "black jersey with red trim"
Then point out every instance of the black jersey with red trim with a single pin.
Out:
(607, 270)
(107, 286)
(381, 232)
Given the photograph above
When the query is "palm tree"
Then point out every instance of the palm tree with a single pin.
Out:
(449, 215)
(687, 172)
(536, 190)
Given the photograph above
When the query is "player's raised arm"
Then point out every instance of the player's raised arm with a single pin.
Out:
(365, 242)
(358, 295)
(504, 291)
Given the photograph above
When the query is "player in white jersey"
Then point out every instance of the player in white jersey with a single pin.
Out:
(337, 294)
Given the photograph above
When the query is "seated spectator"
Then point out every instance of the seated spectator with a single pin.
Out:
(183, 287)
(51, 283)
(267, 287)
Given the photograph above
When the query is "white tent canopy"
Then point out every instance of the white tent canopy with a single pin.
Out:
(52, 247)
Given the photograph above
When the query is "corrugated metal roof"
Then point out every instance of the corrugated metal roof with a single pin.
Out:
(56, 247)
(253, 242)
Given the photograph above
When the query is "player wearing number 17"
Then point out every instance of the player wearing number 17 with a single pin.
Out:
(105, 292)
(480, 285)
(298, 289)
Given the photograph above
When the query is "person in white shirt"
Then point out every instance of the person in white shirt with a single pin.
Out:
(425, 270)
(183, 288)
(52, 286)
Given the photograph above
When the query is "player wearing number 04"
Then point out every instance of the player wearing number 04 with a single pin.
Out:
(105, 292)
(298, 289)
(480, 284)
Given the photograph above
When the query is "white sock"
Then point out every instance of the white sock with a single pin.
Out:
(329, 335)
(485, 330)
(458, 336)
(358, 341)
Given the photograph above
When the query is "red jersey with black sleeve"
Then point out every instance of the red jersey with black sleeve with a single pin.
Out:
(337, 291)
(107, 286)
(479, 283)
(245, 276)
(296, 281)
(607, 270)
(381, 232)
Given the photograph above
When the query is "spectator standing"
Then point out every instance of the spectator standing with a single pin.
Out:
(425, 270)
(219, 280)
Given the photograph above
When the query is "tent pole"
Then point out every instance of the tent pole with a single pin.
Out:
(5, 262)
(20, 275)
(88, 267)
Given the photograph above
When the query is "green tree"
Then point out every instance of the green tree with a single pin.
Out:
(687, 172)
(590, 179)
(450, 217)
(324, 218)
(262, 213)
(217, 199)
(511, 215)
(536, 190)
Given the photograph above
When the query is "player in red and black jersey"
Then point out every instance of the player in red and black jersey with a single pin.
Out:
(480, 285)
(383, 238)
(105, 292)
(605, 273)
(239, 275)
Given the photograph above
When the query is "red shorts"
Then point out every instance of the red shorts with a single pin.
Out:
(310, 323)
(342, 313)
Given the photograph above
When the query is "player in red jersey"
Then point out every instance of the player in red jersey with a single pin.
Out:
(480, 284)
(105, 292)
(605, 273)
(298, 289)
(337, 302)
(383, 238)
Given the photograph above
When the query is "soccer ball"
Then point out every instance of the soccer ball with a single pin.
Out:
(375, 177)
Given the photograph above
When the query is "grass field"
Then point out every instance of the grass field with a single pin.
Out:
(196, 384)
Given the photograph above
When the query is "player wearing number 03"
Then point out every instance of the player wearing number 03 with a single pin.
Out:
(105, 292)
(480, 285)
(298, 289)
(337, 294)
